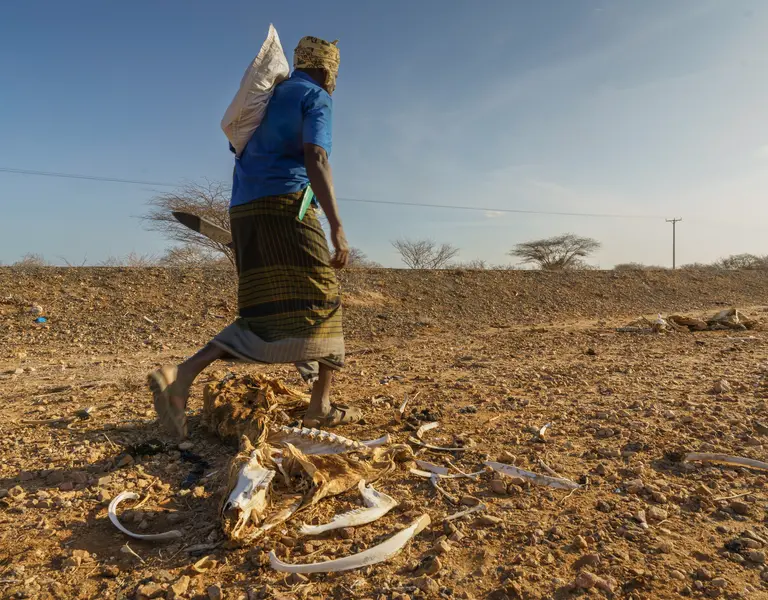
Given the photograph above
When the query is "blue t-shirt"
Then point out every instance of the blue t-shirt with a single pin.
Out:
(272, 163)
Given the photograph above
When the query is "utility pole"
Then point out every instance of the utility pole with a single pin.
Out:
(674, 223)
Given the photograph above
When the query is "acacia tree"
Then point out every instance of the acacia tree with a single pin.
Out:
(359, 260)
(742, 261)
(566, 251)
(425, 254)
(209, 200)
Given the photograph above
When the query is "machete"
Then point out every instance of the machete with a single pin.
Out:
(221, 235)
(204, 227)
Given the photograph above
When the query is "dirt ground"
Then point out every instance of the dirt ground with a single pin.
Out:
(493, 356)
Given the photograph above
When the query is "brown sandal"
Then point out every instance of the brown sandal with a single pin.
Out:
(341, 414)
(163, 385)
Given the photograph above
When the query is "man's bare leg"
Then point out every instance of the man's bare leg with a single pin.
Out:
(321, 412)
(188, 371)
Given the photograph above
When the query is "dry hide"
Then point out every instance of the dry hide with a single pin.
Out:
(281, 470)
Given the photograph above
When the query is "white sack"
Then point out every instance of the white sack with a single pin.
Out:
(247, 109)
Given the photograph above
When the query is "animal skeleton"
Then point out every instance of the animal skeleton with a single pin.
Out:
(281, 470)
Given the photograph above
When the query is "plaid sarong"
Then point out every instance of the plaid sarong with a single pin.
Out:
(288, 295)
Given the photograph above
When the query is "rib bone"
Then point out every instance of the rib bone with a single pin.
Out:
(555, 482)
(372, 556)
(734, 461)
(377, 505)
(152, 537)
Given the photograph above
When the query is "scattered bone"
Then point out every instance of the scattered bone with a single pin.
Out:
(433, 480)
(400, 411)
(428, 474)
(724, 459)
(426, 427)
(372, 556)
(464, 513)
(316, 441)
(151, 537)
(204, 564)
(555, 482)
(419, 442)
(376, 503)
(552, 472)
(432, 467)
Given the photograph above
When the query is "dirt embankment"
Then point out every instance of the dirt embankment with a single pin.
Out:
(168, 308)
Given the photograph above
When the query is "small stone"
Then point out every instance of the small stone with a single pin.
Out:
(297, 579)
(442, 547)
(507, 457)
(579, 543)
(104, 481)
(469, 501)
(103, 496)
(82, 555)
(67, 486)
(739, 507)
(487, 521)
(756, 556)
(110, 571)
(585, 581)
(456, 536)
(427, 585)
(125, 460)
(431, 565)
(178, 589)
(587, 560)
(654, 514)
(703, 574)
(186, 445)
(719, 582)
(498, 486)
(721, 387)
(3, 493)
(149, 590)
(678, 575)
(216, 593)
(347, 533)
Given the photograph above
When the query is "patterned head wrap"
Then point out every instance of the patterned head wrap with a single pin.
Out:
(314, 53)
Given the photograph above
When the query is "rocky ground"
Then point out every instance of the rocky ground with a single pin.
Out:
(492, 356)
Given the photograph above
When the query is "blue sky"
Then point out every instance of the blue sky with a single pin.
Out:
(642, 107)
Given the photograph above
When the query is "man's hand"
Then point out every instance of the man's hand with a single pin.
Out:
(339, 241)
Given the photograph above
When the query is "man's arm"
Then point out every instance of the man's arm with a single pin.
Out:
(321, 180)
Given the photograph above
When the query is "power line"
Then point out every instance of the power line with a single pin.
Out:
(36, 173)
(87, 177)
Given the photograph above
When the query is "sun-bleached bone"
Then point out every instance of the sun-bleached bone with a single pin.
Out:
(150, 537)
(317, 441)
(419, 442)
(249, 499)
(464, 513)
(555, 482)
(372, 556)
(724, 459)
(376, 503)
(432, 467)
(433, 480)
